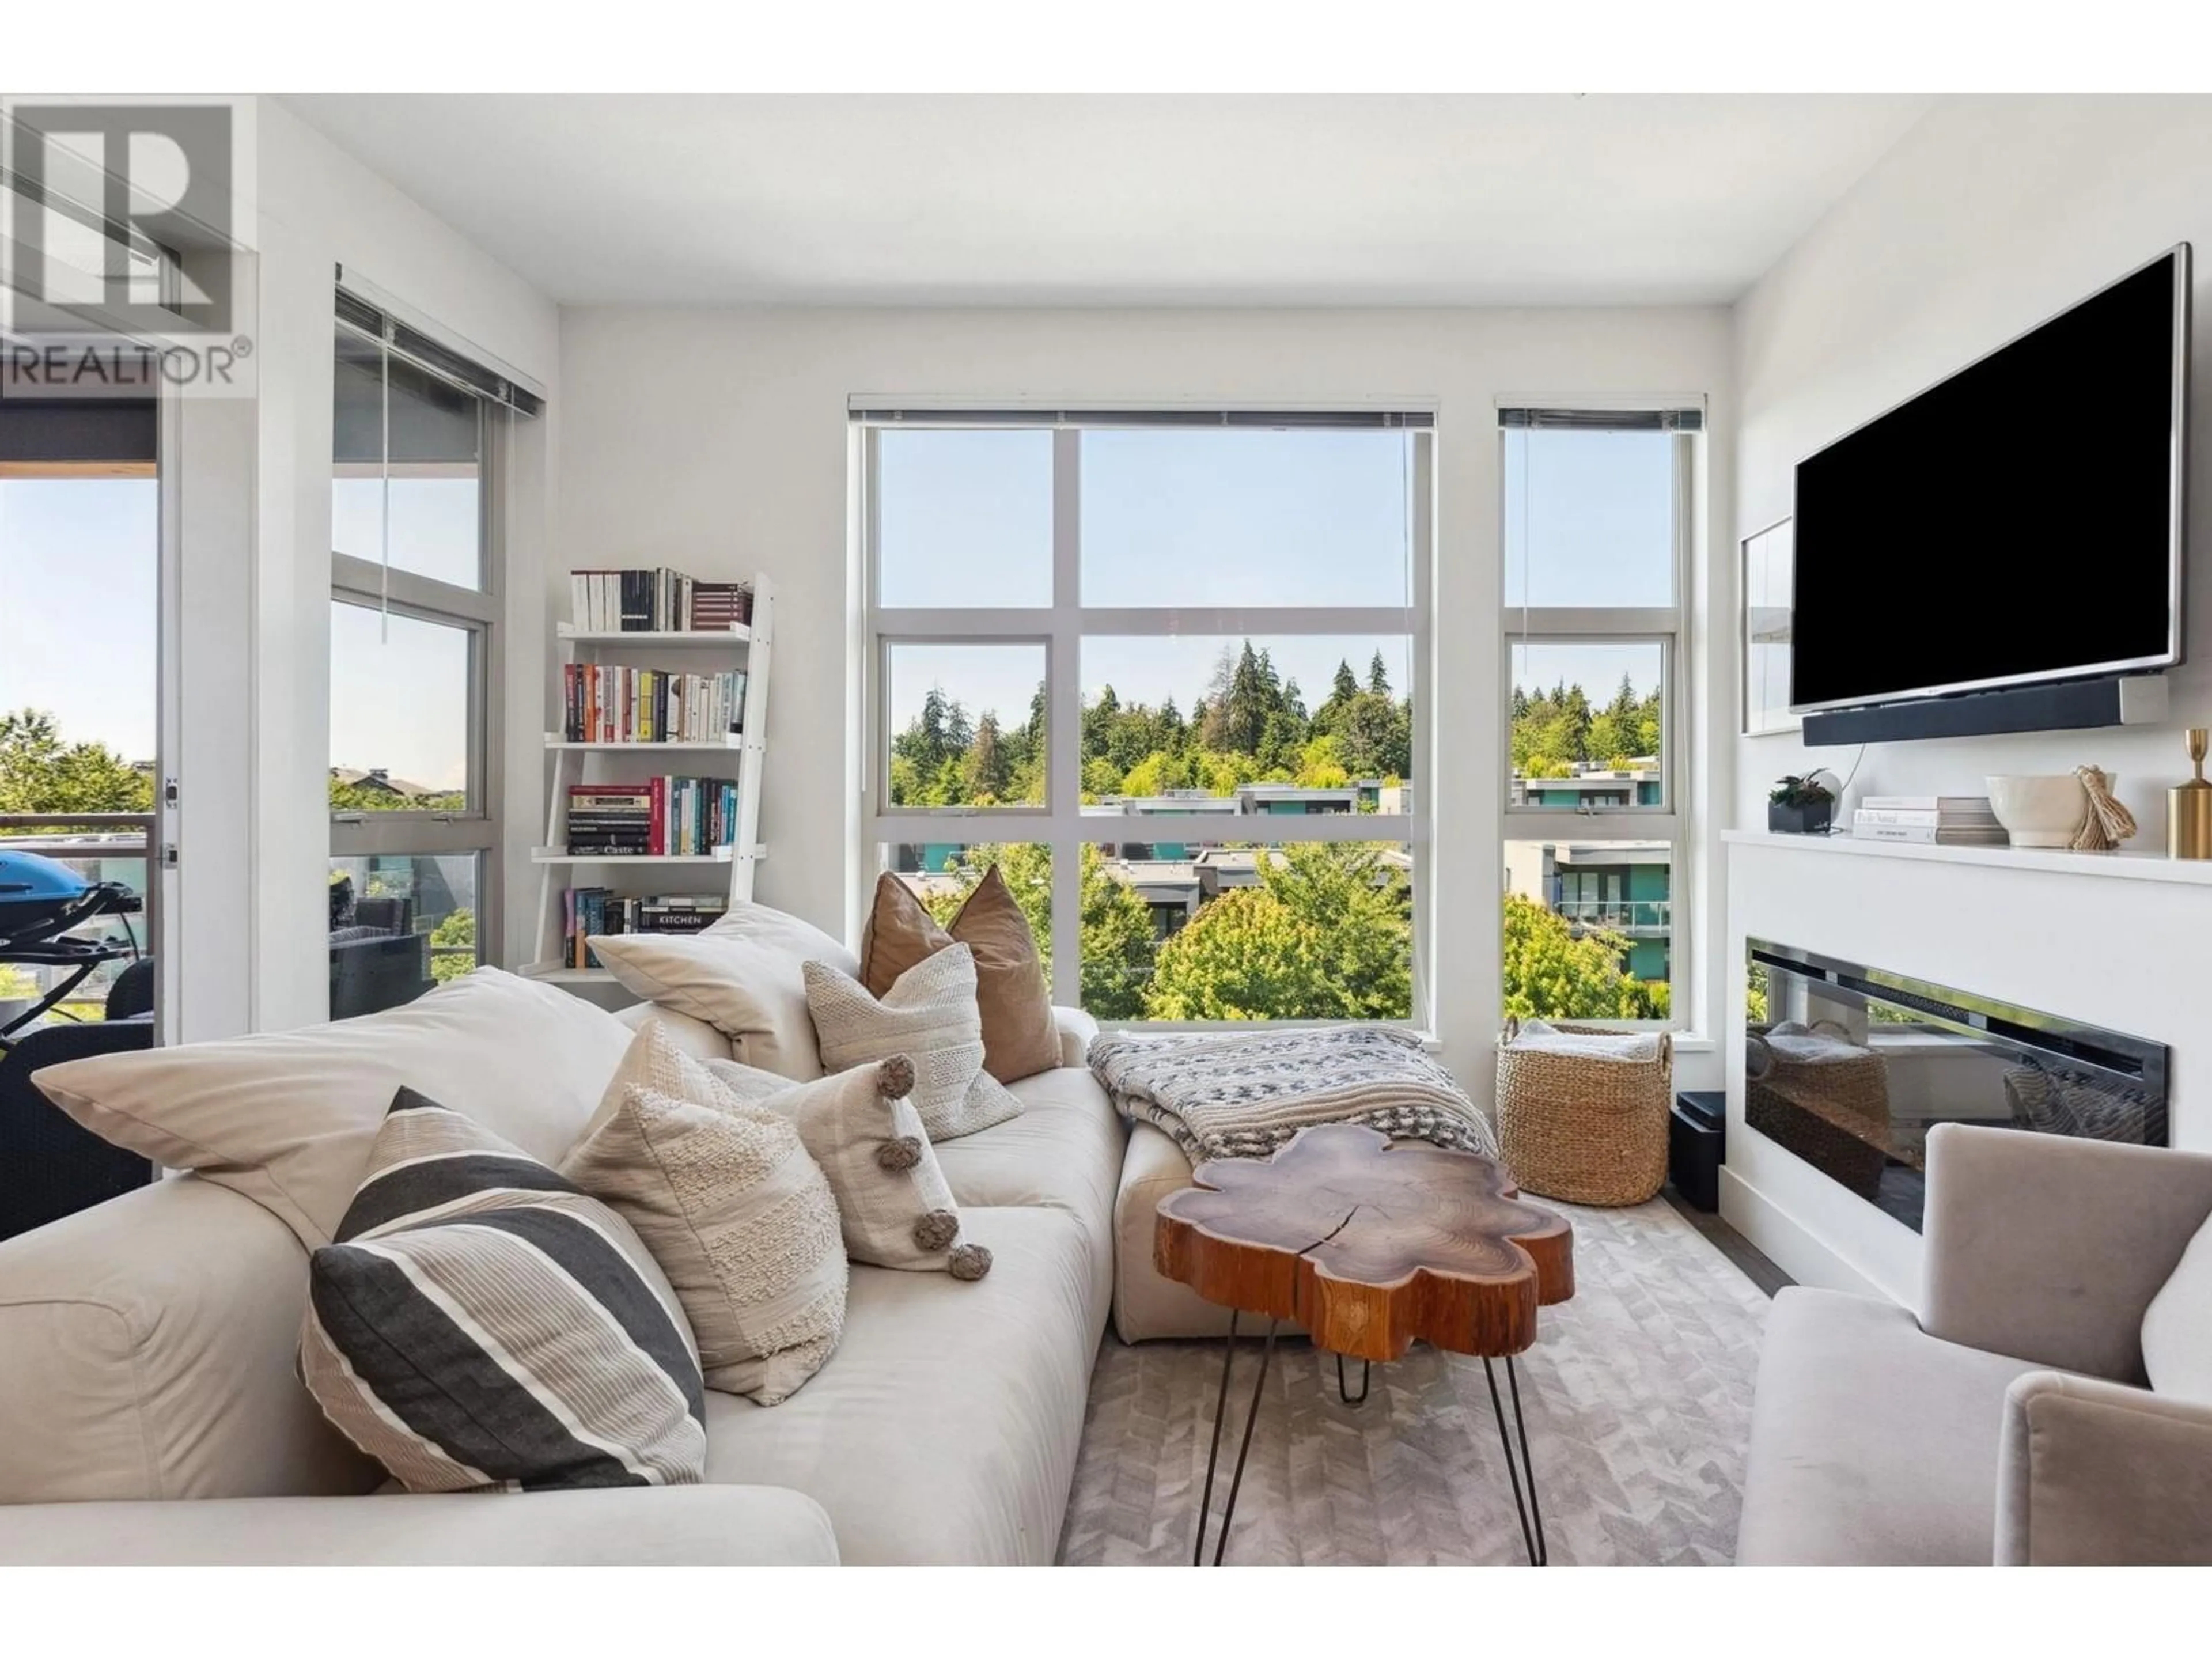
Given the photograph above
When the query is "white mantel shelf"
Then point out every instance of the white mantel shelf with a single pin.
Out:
(2126, 864)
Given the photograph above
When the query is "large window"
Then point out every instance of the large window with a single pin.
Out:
(1169, 673)
(1597, 515)
(415, 580)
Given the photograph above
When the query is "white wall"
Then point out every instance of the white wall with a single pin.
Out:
(715, 440)
(317, 209)
(1991, 214)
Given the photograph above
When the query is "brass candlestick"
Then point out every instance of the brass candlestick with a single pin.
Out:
(2188, 808)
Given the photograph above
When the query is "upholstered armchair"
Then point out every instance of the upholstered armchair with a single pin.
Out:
(2012, 1421)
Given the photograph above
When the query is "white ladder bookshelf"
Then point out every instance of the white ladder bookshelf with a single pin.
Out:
(752, 649)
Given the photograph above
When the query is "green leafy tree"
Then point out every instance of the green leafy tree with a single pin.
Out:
(1159, 772)
(1552, 973)
(1327, 934)
(1320, 765)
(41, 773)
(457, 934)
(1243, 956)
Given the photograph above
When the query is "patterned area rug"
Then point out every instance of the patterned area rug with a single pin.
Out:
(1638, 1404)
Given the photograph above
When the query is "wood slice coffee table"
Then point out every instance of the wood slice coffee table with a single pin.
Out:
(1371, 1245)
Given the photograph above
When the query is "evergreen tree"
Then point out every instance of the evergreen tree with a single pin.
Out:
(986, 770)
(1377, 680)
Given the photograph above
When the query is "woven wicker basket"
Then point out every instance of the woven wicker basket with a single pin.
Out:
(1585, 1128)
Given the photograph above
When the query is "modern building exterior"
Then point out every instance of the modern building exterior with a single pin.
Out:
(1624, 888)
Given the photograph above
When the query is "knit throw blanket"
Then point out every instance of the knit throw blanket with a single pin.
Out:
(1234, 1094)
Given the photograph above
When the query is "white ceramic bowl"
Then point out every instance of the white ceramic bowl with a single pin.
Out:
(2039, 810)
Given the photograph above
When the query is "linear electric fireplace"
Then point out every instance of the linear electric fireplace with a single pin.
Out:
(1850, 1067)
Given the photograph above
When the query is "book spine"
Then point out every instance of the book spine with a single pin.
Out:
(1900, 815)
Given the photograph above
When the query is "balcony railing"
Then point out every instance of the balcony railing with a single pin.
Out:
(1630, 916)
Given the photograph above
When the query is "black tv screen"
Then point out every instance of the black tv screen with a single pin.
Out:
(2018, 522)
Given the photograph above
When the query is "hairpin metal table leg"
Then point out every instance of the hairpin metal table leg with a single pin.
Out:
(1343, 1393)
(1531, 1513)
(1244, 1446)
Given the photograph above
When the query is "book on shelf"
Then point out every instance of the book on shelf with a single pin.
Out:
(589, 911)
(1930, 834)
(1931, 817)
(657, 818)
(656, 601)
(612, 702)
(1970, 805)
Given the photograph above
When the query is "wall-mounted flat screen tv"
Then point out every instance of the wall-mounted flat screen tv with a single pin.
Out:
(2021, 521)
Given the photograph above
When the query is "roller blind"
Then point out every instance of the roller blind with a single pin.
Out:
(1351, 420)
(1604, 419)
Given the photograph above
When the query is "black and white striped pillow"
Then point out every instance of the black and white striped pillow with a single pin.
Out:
(480, 1323)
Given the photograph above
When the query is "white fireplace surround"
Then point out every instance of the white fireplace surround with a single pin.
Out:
(2121, 941)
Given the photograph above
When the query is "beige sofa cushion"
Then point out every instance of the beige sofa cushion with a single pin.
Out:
(2177, 1328)
(946, 1430)
(1064, 1151)
(742, 976)
(146, 1352)
(288, 1119)
(732, 1207)
(1146, 1305)
(930, 1017)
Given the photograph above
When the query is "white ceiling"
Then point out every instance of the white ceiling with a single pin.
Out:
(1472, 200)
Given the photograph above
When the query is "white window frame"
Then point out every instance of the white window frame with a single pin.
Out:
(1668, 626)
(1060, 824)
(477, 612)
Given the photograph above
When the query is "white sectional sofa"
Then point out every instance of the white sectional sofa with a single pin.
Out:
(147, 1354)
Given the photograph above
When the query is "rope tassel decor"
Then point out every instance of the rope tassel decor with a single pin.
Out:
(2109, 823)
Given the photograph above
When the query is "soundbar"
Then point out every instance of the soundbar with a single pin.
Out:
(2067, 705)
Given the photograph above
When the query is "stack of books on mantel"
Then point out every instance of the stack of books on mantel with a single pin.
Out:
(1930, 820)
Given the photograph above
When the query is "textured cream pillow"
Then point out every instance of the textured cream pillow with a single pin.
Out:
(738, 1214)
(288, 1119)
(747, 986)
(930, 1016)
(895, 1206)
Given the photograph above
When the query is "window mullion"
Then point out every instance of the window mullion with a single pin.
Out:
(1063, 718)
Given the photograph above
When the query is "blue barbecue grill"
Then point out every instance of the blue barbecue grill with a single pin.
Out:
(41, 899)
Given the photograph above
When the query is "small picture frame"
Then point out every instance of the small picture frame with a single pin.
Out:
(1769, 558)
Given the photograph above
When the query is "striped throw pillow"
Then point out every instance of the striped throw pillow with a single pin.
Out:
(479, 1323)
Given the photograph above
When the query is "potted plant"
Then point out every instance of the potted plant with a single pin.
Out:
(1800, 806)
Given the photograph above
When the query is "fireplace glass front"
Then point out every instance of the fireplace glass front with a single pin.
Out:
(1850, 1067)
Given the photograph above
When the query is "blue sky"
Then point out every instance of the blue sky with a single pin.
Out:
(79, 564)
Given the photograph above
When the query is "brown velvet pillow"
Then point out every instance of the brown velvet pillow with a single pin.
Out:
(1020, 1038)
